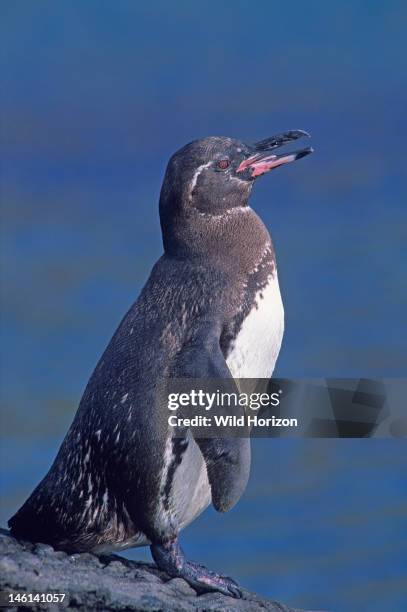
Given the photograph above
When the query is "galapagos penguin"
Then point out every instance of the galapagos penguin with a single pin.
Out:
(211, 308)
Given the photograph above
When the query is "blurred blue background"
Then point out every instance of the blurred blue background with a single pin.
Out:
(96, 97)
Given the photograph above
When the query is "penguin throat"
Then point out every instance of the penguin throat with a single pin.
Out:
(233, 239)
(237, 210)
(217, 204)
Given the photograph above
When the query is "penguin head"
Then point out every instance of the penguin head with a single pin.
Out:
(202, 177)
(213, 176)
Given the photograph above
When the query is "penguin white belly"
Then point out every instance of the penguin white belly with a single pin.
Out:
(191, 491)
(257, 345)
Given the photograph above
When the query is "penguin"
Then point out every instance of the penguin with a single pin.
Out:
(211, 308)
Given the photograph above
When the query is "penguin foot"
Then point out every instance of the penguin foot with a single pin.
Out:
(170, 558)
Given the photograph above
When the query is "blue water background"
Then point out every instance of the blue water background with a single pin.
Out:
(96, 96)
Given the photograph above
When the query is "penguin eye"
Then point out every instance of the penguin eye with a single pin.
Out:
(223, 164)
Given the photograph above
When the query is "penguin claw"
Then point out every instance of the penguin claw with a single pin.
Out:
(207, 580)
(170, 558)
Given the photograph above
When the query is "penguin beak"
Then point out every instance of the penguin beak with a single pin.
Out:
(262, 161)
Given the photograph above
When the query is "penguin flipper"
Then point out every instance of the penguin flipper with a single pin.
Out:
(227, 459)
(228, 466)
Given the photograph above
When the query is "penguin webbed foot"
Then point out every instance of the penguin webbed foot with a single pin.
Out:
(170, 558)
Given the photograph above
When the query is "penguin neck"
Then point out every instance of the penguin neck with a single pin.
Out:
(235, 240)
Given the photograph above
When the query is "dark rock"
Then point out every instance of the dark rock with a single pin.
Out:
(107, 583)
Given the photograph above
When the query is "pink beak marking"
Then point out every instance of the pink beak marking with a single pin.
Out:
(262, 164)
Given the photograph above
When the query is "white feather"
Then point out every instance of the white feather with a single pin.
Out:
(257, 345)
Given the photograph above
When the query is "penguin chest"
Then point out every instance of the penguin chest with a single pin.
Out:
(254, 350)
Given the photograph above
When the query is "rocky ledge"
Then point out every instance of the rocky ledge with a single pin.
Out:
(107, 583)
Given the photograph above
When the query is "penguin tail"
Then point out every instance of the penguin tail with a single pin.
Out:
(23, 526)
(30, 523)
